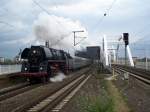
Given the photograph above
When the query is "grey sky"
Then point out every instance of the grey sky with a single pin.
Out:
(125, 16)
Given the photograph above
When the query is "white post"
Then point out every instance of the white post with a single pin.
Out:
(114, 54)
(130, 55)
(9, 68)
(0, 69)
(105, 51)
(146, 66)
(109, 60)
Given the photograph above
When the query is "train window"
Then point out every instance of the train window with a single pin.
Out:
(62, 55)
(25, 53)
(68, 56)
(54, 53)
(48, 52)
(65, 55)
(58, 54)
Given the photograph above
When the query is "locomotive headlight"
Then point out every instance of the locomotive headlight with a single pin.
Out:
(41, 68)
(34, 51)
(25, 68)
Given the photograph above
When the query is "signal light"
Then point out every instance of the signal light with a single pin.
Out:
(126, 38)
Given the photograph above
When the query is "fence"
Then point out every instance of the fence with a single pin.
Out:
(7, 69)
(138, 64)
(144, 65)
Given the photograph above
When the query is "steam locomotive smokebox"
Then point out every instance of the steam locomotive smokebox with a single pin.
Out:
(93, 52)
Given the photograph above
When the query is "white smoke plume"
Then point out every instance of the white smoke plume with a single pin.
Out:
(58, 78)
(58, 30)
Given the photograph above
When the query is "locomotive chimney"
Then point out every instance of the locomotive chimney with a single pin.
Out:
(47, 43)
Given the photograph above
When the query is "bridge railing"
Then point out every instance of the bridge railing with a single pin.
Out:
(138, 64)
(143, 65)
(8, 69)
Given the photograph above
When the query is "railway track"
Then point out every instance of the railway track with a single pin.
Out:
(9, 75)
(12, 88)
(15, 90)
(56, 101)
(139, 74)
(27, 100)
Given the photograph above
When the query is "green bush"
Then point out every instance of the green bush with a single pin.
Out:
(96, 104)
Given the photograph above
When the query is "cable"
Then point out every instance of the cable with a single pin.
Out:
(106, 12)
(141, 31)
(80, 41)
(63, 37)
(43, 9)
(10, 13)
(3, 22)
(111, 6)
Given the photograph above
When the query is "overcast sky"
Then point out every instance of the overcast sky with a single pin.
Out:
(19, 20)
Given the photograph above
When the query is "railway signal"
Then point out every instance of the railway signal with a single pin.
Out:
(126, 40)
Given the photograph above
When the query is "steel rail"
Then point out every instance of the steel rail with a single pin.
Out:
(134, 74)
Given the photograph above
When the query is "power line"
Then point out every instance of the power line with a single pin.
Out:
(144, 37)
(10, 13)
(3, 22)
(142, 30)
(111, 6)
(106, 12)
(43, 9)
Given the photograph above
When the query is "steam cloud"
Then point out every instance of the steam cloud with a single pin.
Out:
(57, 30)
(58, 78)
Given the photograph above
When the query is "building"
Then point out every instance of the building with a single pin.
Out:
(2, 59)
(93, 52)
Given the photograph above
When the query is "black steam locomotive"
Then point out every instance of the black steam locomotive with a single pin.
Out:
(41, 63)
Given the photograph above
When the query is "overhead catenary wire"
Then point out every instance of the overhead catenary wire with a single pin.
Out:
(43, 9)
(111, 6)
(3, 22)
(6, 23)
(141, 31)
(47, 12)
(10, 13)
(106, 13)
